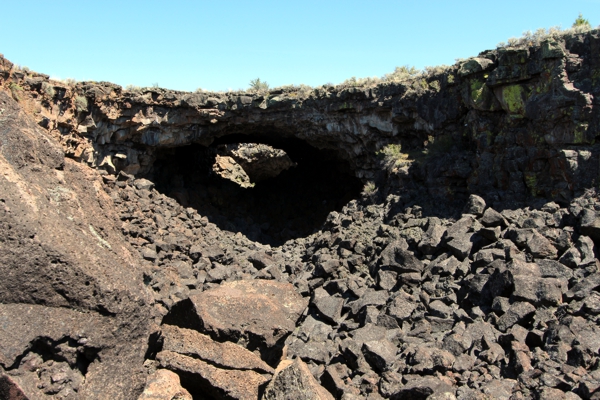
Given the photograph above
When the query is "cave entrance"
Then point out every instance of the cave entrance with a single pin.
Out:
(293, 204)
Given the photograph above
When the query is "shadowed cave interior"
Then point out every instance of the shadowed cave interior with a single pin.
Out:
(291, 205)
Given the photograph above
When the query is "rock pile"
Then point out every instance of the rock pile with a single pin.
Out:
(494, 302)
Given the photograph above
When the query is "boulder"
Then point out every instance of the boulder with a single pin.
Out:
(164, 385)
(258, 310)
(517, 313)
(537, 291)
(293, 380)
(202, 378)
(423, 388)
(329, 307)
(381, 354)
(475, 205)
(395, 257)
(222, 355)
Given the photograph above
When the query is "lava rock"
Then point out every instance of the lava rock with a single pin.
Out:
(164, 385)
(267, 310)
(293, 380)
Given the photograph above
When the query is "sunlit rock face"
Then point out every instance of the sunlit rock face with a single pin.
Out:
(248, 163)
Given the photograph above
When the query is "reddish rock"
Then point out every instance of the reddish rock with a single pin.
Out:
(226, 355)
(164, 385)
(266, 310)
(207, 379)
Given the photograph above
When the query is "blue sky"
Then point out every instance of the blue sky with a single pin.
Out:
(222, 45)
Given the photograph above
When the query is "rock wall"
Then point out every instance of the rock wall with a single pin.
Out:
(416, 288)
(510, 123)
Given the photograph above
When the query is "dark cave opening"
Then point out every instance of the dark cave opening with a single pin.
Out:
(291, 205)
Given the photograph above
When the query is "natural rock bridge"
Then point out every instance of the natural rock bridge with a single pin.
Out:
(435, 237)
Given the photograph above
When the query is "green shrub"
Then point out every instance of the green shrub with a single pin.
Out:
(15, 90)
(581, 22)
(256, 85)
(536, 38)
(81, 103)
(48, 89)
(133, 88)
(392, 155)
(401, 74)
(354, 81)
(369, 188)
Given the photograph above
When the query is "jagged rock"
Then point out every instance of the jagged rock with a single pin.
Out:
(537, 290)
(395, 257)
(259, 161)
(228, 168)
(461, 246)
(164, 385)
(492, 234)
(203, 378)
(261, 260)
(492, 218)
(474, 65)
(401, 308)
(445, 266)
(460, 227)
(457, 342)
(500, 389)
(143, 184)
(493, 353)
(554, 269)
(10, 390)
(432, 239)
(222, 355)
(590, 224)
(517, 312)
(293, 380)
(534, 242)
(582, 289)
(380, 353)
(330, 307)
(333, 379)
(475, 205)
(369, 298)
(311, 342)
(422, 388)
(265, 310)
(439, 309)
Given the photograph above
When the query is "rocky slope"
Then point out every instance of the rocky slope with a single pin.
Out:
(466, 267)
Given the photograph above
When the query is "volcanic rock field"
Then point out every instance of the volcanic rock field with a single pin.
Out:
(431, 238)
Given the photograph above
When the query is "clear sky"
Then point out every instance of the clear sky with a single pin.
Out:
(222, 45)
